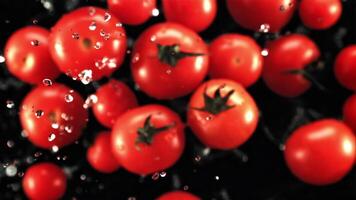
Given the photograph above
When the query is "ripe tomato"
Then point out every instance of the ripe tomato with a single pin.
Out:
(320, 14)
(178, 195)
(148, 139)
(236, 57)
(114, 98)
(88, 43)
(27, 55)
(100, 155)
(345, 67)
(169, 61)
(44, 181)
(53, 116)
(254, 14)
(322, 152)
(196, 15)
(349, 112)
(133, 12)
(288, 57)
(222, 114)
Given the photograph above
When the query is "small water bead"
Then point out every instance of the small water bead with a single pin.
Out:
(39, 113)
(112, 63)
(55, 125)
(131, 198)
(65, 117)
(153, 38)
(37, 154)
(10, 143)
(92, 26)
(264, 28)
(91, 11)
(35, 21)
(86, 76)
(68, 98)
(155, 12)
(83, 177)
(47, 82)
(55, 149)
(10, 104)
(208, 118)
(107, 17)
(155, 176)
(92, 99)
(75, 36)
(186, 187)
(51, 137)
(11, 170)
(168, 71)
(20, 174)
(163, 174)
(35, 43)
(118, 24)
(135, 58)
(68, 129)
(97, 45)
(264, 52)
(2, 59)
(217, 178)
(197, 158)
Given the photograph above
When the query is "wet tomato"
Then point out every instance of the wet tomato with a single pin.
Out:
(345, 67)
(349, 112)
(178, 195)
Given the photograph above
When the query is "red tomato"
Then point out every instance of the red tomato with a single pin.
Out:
(253, 14)
(88, 43)
(44, 181)
(222, 114)
(349, 112)
(133, 12)
(27, 55)
(178, 195)
(196, 15)
(148, 139)
(291, 53)
(236, 57)
(322, 152)
(53, 116)
(100, 155)
(114, 98)
(169, 61)
(345, 67)
(320, 14)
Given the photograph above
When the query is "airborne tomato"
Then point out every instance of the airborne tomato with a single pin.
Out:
(349, 112)
(345, 67)
(148, 139)
(286, 64)
(44, 181)
(53, 116)
(114, 98)
(27, 55)
(178, 195)
(100, 155)
(196, 15)
(253, 14)
(169, 61)
(133, 12)
(322, 152)
(88, 43)
(236, 57)
(222, 114)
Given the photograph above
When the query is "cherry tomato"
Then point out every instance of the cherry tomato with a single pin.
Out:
(44, 181)
(178, 195)
(320, 14)
(169, 61)
(222, 114)
(100, 155)
(349, 112)
(88, 43)
(114, 98)
(148, 139)
(322, 152)
(132, 12)
(345, 67)
(27, 55)
(53, 116)
(287, 61)
(196, 15)
(262, 15)
(236, 57)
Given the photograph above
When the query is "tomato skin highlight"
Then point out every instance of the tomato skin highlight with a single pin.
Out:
(114, 98)
(290, 52)
(251, 14)
(349, 112)
(27, 55)
(160, 80)
(197, 15)
(345, 67)
(320, 14)
(178, 195)
(165, 149)
(322, 152)
(88, 39)
(44, 181)
(230, 128)
(236, 57)
(132, 12)
(45, 111)
(100, 155)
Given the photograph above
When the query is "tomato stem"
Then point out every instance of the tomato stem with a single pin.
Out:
(171, 54)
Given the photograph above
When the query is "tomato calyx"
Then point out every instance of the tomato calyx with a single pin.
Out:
(171, 54)
(217, 103)
(145, 134)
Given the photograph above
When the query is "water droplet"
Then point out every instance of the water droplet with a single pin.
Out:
(97, 45)
(91, 11)
(155, 12)
(10, 104)
(39, 113)
(264, 28)
(155, 176)
(264, 52)
(47, 82)
(153, 38)
(51, 137)
(68, 98)
(282, 8)
(68, 128)
(75, 36)
(163, 174)
(118, 24)
(112, 63)
(10, 143)
(2, 59)
(217, 178)
(11, 170)
(92, 26)
(128, 51)
(83, 177)
(186, 187)
(37, 154)
(92, 99)
(35, 21)
(131, 198)
(65, 117)
(55, 125)
(86, 76)
(197, 158)
(135, 58)
(55, 149)
(168, 71)
(35, 43)
(208, 118)
(107, 17)
(282, 147)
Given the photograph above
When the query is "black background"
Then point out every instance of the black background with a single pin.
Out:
(263, 176)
